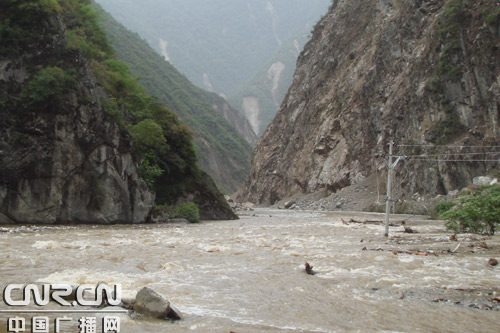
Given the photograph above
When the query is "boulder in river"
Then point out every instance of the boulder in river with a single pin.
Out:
(309, 269)
(148, 302)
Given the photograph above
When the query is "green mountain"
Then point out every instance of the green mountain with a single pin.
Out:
(223, 153)
(245, 50)
(80, 139)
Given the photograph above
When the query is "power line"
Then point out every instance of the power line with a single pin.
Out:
(447, 157)
(438, 160)
(443, 146)
(455, 154)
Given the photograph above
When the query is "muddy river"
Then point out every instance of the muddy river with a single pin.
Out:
(248, 275)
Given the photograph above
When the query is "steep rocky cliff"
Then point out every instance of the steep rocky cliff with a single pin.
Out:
(80, 140)
(425, 74)
(62, 159)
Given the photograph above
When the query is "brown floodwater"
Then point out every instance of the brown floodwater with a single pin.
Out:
(248, 275)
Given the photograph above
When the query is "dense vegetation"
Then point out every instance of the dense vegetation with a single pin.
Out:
(186, 210)
(162, 143)
(215, 138)
(476, 210)
(20, 23)
(17, 24)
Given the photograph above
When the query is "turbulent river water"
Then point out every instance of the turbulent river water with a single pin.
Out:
(248, 275)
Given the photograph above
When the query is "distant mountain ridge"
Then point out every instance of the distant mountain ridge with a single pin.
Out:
(262, 96)
(223, 153)
(243, 50)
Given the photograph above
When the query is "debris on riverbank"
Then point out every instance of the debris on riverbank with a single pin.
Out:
(309, 269)
(369, 196)
(479, 299)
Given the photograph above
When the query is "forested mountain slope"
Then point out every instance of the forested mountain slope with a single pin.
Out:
(223, 152)
(80, 140)
(218, 44)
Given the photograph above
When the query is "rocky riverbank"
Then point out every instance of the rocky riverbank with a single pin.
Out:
(367, 196)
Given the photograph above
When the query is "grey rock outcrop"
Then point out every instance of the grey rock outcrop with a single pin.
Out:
(148, 302)
(482, 180)
(211, 203)
(70, 161)
(415, 72)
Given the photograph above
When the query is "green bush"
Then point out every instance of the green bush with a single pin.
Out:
(47, 87)
(83, 30)
(376, 208)
(494, 18)
(149, 171)
(440, 208)
(111, 108)
(435, 84)
(20, 23)
(48, 6)
(477, 212)
(188, 211)
(446, 130)
(148, 134)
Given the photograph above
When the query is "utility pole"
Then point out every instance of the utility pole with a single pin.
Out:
(390, 167)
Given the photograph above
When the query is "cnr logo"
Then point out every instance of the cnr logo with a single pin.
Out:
(60, 293)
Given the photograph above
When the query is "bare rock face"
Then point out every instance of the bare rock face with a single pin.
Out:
(415, 72)
(68, 161)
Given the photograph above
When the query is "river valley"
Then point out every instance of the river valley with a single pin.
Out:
(248, 275)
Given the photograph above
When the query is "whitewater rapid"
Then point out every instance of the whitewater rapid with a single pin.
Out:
(248, 275)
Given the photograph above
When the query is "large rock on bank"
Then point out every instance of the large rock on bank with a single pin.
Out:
(148, 302)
